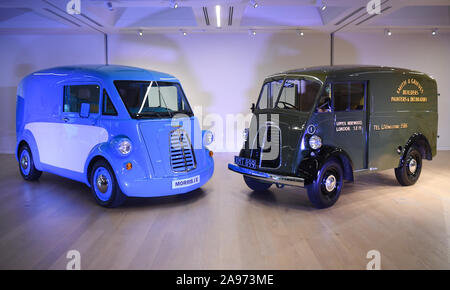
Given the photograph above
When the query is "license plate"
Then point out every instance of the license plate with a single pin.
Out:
(185, 182)
(246, 162)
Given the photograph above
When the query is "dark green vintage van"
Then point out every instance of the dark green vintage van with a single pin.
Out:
(318, 127)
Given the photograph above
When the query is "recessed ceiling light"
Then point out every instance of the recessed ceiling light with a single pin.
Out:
(254, 3)
(173, 4)
(141, 33)
(300, 33)
(434, 32)
(388, 32)
(251, 32)
(109, 5)
(218, 16)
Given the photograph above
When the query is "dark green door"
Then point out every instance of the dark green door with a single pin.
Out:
(349, 110)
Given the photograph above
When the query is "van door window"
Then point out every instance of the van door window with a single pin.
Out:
(108, 107)
(341, 97)
(324, 105)
(75, 95)
(349, 96)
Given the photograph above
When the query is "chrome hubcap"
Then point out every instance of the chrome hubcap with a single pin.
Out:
(330, 183)
(412, 165)
(102, 183)
(24, 162)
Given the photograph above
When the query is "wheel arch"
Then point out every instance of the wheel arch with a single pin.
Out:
(27, 138)
(421, 142)
(325, 153)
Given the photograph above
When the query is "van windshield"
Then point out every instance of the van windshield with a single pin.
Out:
(151, 99)
(291, 94)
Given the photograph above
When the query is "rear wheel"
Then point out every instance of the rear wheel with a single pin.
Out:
(26, 164)
(325, 190)
(256, 185)
(409, 171)
(104, 185)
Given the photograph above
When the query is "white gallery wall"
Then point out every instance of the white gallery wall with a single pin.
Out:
(221, 73)
(21, 55)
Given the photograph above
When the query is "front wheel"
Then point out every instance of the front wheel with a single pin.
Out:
(26, 164)
(325, 190)
(104, 185)
(409, 171)
(256, 185)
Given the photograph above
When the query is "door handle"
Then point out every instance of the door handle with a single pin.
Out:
(65, 119)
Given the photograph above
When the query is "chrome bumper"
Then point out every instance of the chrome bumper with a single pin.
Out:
(268, 177)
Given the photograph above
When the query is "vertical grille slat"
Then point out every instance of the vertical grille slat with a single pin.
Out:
(260, 154)
(182, 158)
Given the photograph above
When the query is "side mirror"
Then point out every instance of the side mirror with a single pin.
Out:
(85, 110)
(253, 107)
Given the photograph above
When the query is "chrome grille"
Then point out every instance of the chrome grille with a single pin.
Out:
(182, 158)
(267, 159)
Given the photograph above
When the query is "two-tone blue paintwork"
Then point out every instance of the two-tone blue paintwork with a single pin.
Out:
(40, 105)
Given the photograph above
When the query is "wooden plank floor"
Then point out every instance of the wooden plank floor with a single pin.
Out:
(226, 226)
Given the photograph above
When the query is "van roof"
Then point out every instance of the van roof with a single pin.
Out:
(114, 72)
(322, 71)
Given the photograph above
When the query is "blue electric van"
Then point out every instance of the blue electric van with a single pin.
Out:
(123, 131)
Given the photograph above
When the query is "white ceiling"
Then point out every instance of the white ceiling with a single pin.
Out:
(156, 16)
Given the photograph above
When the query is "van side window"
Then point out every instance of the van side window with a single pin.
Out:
(349, 96)
(108, 108)
(357, 92)
(75, 95)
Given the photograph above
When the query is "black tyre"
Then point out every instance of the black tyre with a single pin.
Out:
(410, 167)
(26, 164)
(325, 190)
(256, 185)
(104, 185)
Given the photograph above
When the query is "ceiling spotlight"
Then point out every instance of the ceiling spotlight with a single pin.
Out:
(251, 32)
(184, 33)
(300, 33)
(218, 16)
(173, 4)
(254, 3)
(109, 5)
(434, 32)
(141, 33)
(388, 32)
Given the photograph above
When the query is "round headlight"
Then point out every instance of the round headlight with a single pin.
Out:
(245, 134)
(315, 142)
(124, 146)
(208, 138)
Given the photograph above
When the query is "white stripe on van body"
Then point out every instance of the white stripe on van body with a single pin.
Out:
(66, 145)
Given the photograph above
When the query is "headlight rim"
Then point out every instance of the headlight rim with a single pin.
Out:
(318, 139)
(205, 134)
(118, 143)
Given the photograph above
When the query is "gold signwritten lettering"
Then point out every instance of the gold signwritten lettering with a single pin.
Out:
(409, 99)
(409, 91)
(390, 126)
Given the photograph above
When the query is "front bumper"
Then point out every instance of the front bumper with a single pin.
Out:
(268, 177)
(153, 187)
